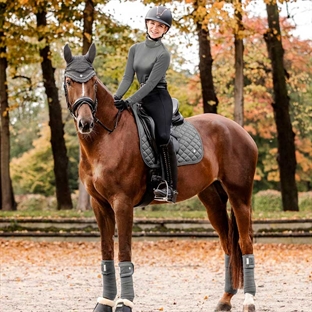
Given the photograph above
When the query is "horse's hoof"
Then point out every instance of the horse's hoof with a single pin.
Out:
(123, 309)
(249, 304)
(124, 305)
(102, 308)
(222, 306)
(249, 308)
(104, 305)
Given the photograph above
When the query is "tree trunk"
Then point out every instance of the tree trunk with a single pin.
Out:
(239, 67)
(88, 18)
(210, 100)
(59, 151)
(7, 195)
(286, 147)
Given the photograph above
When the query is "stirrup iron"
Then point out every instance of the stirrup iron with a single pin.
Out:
(162, 188)
(165, 193)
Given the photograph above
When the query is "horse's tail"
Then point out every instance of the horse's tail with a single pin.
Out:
(236, 261)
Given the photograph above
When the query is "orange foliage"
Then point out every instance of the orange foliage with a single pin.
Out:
(258, 90)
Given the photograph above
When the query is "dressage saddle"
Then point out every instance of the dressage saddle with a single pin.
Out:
(186, 140)
(148, 126)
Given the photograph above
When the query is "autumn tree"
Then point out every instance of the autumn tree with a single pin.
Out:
(59, 152)
(210, 100)
(258, 90)
(239, 63)
(286, 157)
(6, 195)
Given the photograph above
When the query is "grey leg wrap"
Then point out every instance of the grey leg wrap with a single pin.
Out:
(126, 271)
(109, 279)
(249, 278)
(228, 280)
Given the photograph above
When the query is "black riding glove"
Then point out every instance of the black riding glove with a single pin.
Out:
(121, 104)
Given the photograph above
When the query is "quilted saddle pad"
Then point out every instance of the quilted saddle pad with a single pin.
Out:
(189, 145)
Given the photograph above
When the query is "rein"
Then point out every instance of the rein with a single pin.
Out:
(92, 105)
(116, 122)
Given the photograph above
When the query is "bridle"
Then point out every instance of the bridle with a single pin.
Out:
(93, 104)
(81, 101)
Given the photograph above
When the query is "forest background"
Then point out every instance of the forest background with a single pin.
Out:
(29, 27)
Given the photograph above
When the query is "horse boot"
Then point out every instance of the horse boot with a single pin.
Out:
(166, 190)
(124, 305)
(104, 305)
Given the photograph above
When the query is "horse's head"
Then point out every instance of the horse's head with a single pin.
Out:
(80, 85)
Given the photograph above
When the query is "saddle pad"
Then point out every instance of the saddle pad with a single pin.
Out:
(190, 145)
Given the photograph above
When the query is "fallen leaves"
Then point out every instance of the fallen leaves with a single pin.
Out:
(153, 253)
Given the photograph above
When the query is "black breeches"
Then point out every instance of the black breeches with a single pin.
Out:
(158, 104)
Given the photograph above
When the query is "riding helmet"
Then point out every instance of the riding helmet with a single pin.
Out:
(160, 14)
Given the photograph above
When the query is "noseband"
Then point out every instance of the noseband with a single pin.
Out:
(80, 101)
(73, 108)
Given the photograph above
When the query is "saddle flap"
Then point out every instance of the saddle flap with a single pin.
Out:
(177, 118)
(175, 106)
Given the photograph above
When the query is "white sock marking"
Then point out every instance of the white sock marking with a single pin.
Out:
(249, 300)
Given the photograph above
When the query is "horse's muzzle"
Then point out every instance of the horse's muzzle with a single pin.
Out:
(83, 111)
(85, 126)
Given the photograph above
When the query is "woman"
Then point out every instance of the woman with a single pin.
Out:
(149, 60)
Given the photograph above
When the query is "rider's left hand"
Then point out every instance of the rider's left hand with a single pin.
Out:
(121, 104)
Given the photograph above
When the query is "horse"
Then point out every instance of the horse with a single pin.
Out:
(114, 174)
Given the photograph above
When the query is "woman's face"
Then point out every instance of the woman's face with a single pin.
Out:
(156, 29)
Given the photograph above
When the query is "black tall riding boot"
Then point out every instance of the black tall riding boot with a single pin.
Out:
(166, 190)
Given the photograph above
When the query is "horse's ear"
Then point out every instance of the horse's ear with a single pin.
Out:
(67, 54)
(90, 56)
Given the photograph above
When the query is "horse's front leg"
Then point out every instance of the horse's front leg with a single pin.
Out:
(106, 222)
(123, 208)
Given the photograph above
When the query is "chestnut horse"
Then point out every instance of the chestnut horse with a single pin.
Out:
(114, 174)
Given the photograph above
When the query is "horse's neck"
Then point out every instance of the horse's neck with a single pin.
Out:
(105, 101)
(106, 110)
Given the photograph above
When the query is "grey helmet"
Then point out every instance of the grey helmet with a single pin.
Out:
(160, 14)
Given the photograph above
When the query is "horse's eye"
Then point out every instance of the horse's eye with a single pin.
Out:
(68, 82)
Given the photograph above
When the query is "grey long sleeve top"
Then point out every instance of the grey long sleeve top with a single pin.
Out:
(149, 60)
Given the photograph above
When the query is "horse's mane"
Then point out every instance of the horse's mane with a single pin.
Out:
(100, 83)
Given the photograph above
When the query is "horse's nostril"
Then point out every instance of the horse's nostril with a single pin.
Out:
(85, 126)
(80, 124)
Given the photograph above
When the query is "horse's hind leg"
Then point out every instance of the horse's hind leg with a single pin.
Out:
(240, 199)
(106, 223)
(214, 199)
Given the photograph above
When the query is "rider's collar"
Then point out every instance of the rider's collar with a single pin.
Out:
(152, 44)
(154, 39)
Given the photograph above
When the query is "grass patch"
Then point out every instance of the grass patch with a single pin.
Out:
(256, 215)
(266, 205)
(267, 201)
(305, 201)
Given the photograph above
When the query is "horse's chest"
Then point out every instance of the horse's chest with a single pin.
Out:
(95, 177)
